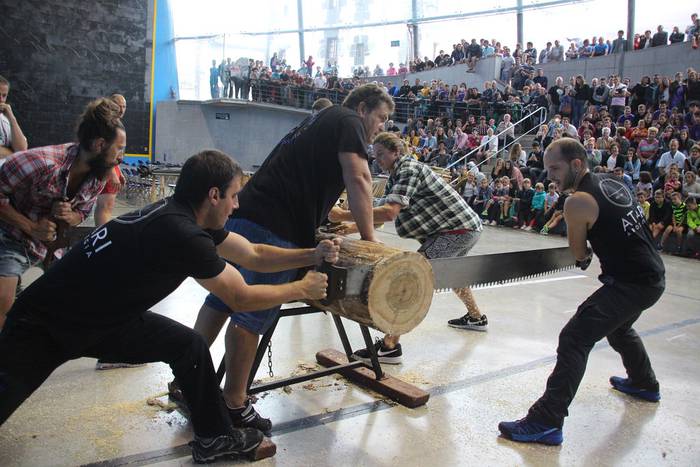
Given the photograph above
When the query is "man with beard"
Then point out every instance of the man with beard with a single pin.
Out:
(42, 187)
(282, 205)
(603, 211)
(115, 181)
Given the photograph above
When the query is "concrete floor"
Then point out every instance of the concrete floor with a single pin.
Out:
(81, 416)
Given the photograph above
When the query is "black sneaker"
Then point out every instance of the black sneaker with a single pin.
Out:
(467, 322)
(247, 417)
(240, 441)
(384, 355)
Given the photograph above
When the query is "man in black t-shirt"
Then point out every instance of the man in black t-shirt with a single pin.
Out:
(283, 204)
(602, 211)
(149, 253)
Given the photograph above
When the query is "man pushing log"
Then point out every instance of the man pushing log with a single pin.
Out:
(283, 204)
(149, 253)
(426, 208)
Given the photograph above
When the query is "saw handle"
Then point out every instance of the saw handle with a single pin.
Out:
(585, 262)
(336, 282)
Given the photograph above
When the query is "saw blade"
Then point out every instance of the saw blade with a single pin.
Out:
(499, 268)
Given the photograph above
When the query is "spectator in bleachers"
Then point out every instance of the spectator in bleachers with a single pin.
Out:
(572, 53)
(673, 156)
(593, 155)
(676, 36)
(693, 160)
(506, 127)
(619, 44)
(12, 138)
(660, 37)
(660, 216)
(678, 224)
(693, 223)
(582, 95)
(691, 186)
(633, 165)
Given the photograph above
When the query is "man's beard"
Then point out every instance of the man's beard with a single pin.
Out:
(569, 180)
(99, 167)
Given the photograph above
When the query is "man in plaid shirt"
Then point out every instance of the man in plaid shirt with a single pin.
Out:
(428, 209)
(42, 188)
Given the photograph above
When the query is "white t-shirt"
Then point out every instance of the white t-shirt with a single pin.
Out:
(619, 100)
(5, 132)
(667, 159)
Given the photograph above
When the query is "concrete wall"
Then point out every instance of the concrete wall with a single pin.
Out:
(665, 60)
(486, 69)
(60, 54)
(247, 131)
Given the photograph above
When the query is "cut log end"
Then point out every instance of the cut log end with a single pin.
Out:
(400, 292)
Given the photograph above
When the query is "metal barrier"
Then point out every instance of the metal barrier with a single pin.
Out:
(542, 117)
(280, 93)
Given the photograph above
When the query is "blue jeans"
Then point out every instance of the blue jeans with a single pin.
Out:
(256, 321)
(14, 258)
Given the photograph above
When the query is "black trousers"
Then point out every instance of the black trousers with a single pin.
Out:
(610, 312)
(32, 347)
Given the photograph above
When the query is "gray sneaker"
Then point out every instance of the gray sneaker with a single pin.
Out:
(240, 441)
(467, 322)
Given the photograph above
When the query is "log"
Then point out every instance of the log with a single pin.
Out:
(397, 288)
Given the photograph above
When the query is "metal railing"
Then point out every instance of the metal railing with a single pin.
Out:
(292, 95)
(542, 111)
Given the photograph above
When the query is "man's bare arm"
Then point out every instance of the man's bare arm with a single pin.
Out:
(358, 182)
(230, 287)
(580, 213)
(268, 258)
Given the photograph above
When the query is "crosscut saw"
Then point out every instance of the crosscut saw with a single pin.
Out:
(465, 271)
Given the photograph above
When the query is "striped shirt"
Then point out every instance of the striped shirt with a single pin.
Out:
(31, 181)
(428, 204)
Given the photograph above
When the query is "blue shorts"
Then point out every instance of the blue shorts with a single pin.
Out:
(14, 260)
(256, 321)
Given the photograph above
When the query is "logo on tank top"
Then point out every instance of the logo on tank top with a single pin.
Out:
(616, 192)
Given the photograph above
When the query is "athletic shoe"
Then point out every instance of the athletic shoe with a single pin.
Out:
(384, 355)
(528, 228)
(484, 213)
(526, 431)
(467, 322)
(545, 230)
(624, 385)
(247, 417)
(101, 365)
(240, 441)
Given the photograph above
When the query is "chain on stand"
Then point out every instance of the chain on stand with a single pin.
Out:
(269, 358)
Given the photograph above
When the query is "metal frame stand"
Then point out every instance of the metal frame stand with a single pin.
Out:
(305, 310)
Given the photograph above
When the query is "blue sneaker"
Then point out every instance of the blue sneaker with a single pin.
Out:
(624, 385)
(525, 431)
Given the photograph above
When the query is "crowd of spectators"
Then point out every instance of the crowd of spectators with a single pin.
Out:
(645, 133)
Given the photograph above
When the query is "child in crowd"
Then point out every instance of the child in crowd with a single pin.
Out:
(555, 215)
(537, 205)
(672, 185)
(509, 205)
(678, 222)
(659, 215)
(642, 200)
(469, 190)
(483, 196)
(524, 199)
(551, 198)
(645, 183)
(494, 206)
(693, 221)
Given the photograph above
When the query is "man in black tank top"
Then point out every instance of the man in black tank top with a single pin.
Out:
(601, 210)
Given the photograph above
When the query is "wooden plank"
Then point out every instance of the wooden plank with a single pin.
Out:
(393, 388)
(266, 449)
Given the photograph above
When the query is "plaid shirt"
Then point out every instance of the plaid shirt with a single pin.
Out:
(30, 182)
(428, 204)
